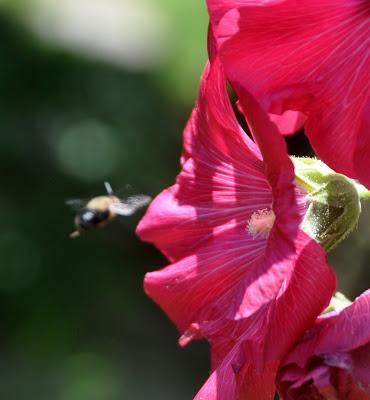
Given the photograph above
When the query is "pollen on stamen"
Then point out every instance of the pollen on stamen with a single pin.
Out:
(261, 223)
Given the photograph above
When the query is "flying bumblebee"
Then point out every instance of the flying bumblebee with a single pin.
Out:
(98, 211)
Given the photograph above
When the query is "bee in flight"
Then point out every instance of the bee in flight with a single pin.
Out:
(96, 212)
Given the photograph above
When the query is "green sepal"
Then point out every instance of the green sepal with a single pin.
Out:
(333, 211)
(310, 173)
(334, 202)
(337, 303)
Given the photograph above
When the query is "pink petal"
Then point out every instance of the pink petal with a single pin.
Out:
(349, 329)
(206, 212)
(211, 283)
(236, 290)
(361, 365)
(222, 181)
(339, 346)
(278, 166)
(346, 386)
(289, 122)
(311, 55)
(213, 193)
(248, 368)
(361, 156)
(223, 384)
(327, 337)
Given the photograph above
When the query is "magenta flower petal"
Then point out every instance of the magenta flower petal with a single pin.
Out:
(230, 226)
(311, 56)
(333, 357)
(218, 281)
(289, 122)
(254, 346)
(221, 184)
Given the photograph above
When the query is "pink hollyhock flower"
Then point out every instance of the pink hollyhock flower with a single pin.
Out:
(242, 274)
(332, 360)
(305, 59)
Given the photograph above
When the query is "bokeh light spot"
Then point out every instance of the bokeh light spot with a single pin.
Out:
(20, 262)
(89, 376)
(88, 151)
(132, 33)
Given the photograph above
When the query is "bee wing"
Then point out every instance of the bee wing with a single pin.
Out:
(76, 204)
(130, 205)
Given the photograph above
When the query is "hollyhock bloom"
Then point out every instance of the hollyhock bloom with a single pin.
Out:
(242, 274)
(332, 360)
(305, 59)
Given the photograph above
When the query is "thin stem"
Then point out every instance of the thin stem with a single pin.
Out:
(364, 195)
(362, 191)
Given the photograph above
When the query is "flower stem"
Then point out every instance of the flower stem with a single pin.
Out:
(362, 191)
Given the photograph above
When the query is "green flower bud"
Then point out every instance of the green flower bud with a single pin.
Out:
(334, 202)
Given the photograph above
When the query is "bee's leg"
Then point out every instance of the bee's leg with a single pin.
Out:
(74, 234)
(108, 188)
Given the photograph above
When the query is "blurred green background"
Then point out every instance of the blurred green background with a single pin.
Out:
(95, 90)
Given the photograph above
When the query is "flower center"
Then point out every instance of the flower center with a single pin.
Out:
(260, 223)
